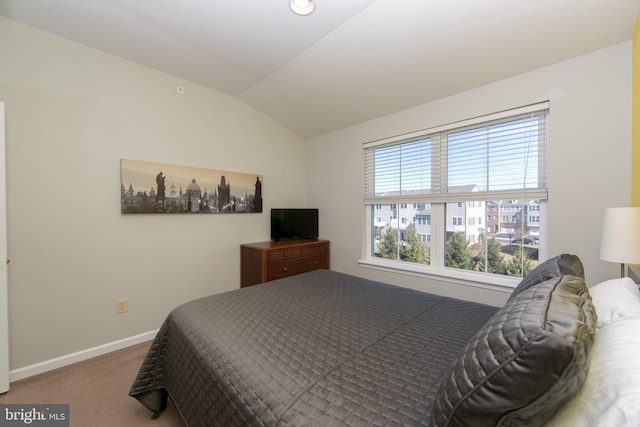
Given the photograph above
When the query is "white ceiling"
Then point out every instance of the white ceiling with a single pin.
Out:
(347, 62)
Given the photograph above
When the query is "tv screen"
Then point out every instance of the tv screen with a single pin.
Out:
(294, 224)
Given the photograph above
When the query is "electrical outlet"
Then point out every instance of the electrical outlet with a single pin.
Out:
(122, 306)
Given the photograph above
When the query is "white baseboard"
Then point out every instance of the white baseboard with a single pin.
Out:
(59, 362)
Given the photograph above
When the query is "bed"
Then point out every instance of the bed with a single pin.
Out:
(325, 348)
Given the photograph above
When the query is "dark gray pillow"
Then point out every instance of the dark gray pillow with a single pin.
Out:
(525, 362)
(565, 264)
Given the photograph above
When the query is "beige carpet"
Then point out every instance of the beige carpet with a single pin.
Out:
(97, 391)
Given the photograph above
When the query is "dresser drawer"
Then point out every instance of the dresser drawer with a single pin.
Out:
(277, 270)
(315, 262)
(314, 249)
(283, 254)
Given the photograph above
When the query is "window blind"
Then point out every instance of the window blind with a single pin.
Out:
(497, 157)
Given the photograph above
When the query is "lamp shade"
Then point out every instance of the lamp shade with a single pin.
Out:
(621, 236)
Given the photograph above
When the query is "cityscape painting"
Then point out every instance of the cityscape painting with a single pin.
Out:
(148, 187)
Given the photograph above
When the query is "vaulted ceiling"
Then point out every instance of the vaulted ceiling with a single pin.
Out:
(347, 62)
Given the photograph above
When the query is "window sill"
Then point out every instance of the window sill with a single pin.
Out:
(458, 277)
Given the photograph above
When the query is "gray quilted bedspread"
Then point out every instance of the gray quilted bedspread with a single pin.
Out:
(321, 348)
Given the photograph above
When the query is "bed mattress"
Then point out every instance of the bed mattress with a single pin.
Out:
(320, 348)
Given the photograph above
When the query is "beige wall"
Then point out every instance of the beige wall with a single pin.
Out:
(71, 114)
(589, 161)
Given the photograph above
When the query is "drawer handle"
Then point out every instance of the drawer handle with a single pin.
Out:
(284, 255)
(315, 262)
(284, 269)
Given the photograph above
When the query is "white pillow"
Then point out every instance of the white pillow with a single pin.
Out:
(615, 300)
(610, 395)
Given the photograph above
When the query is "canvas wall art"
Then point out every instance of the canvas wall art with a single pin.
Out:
(148, 187)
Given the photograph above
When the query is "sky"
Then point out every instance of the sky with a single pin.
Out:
(142, 175)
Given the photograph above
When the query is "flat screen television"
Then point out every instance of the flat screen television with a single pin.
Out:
(292, 223)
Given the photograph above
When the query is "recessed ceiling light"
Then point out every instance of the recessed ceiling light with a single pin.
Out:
(302, 7)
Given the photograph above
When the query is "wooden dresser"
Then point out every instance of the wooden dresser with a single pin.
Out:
(264, 261)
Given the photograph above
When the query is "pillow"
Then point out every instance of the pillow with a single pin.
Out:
(611, 393)
(615, 300)
(564, 264)
(527, 360)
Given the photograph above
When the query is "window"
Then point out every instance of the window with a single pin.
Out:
(460, 173)
(423, 220)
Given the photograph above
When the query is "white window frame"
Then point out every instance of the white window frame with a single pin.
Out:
(438, 227)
